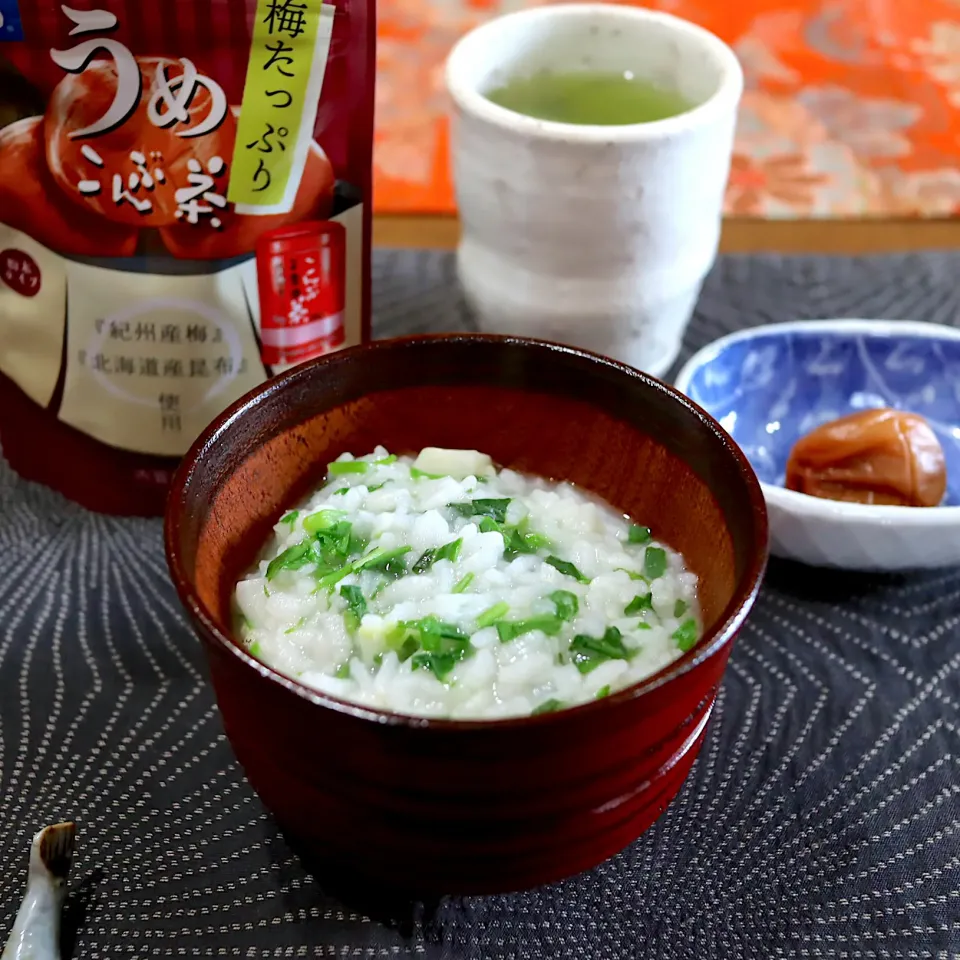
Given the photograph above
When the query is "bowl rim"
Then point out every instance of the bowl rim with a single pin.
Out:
(723, 632)
(836, 511)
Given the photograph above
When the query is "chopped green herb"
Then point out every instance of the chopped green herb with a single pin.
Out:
(638, 604)
(400, 633)
(440, 664)
(356, 606)
(322, 520)
(548, 706)
(516, 540)
(509, 630)
(389, 561)
(433, 644)
(462, 585)
(603, 692)
(378, 660)
(343, 671)
(376, 486)
(330, 533)
(266, 592)
(495, 509)
(449, 551)
(632, 574)
(589, 652)
(520, 539)
(686, 635)
(489, 617)
(533, 541)
(407, 648)
(567, 569)
(254, 649)
(331, 545)
(329, 580)
(357, 543)
(416, 474)
(679, 608)
(638, 534)
(293, 558)
(291, 517)
(380, 559)
(296, 626)
(341, 467)
(567, 604)
(654, 562)
(432, 630)
(386, 461)
(342, 491)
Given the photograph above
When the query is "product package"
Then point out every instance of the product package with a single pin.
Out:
(184, 213)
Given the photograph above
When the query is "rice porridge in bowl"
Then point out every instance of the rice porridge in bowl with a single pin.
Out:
(442, 586)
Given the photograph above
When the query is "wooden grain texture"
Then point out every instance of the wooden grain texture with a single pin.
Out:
(452, 806)
(739, 236)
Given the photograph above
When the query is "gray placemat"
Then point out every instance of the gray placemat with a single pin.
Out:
(821, 819)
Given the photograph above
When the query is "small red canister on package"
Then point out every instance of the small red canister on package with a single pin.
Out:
(301, 273)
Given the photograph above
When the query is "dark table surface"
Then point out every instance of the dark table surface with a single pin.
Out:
(821, 819)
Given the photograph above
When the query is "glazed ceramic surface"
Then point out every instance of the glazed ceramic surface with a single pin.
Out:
(771, 385)
(597, 236)
(468, 806)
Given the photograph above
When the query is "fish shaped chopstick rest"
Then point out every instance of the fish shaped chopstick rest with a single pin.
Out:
(36, 930)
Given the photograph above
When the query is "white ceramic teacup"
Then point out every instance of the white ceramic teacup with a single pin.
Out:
(597, 236)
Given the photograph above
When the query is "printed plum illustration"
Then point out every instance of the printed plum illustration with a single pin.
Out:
(30, 201)
(139, 140)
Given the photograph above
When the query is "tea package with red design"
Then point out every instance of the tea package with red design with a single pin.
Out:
(184, 213)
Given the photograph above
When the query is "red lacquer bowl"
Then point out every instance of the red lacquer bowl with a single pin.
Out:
(469, 807)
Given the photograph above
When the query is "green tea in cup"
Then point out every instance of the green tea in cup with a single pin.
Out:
(589, 97)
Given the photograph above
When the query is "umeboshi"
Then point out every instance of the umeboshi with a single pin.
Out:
(31, 202)
(238, 232)
(80, 100)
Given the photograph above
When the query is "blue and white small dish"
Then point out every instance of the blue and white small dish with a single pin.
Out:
(771, 385)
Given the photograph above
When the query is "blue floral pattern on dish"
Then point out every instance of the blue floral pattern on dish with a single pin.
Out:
(770, 389)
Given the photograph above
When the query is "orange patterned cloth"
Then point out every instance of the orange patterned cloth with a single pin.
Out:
(851, 107)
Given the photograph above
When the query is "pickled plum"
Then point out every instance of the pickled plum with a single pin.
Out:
(874, 456)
